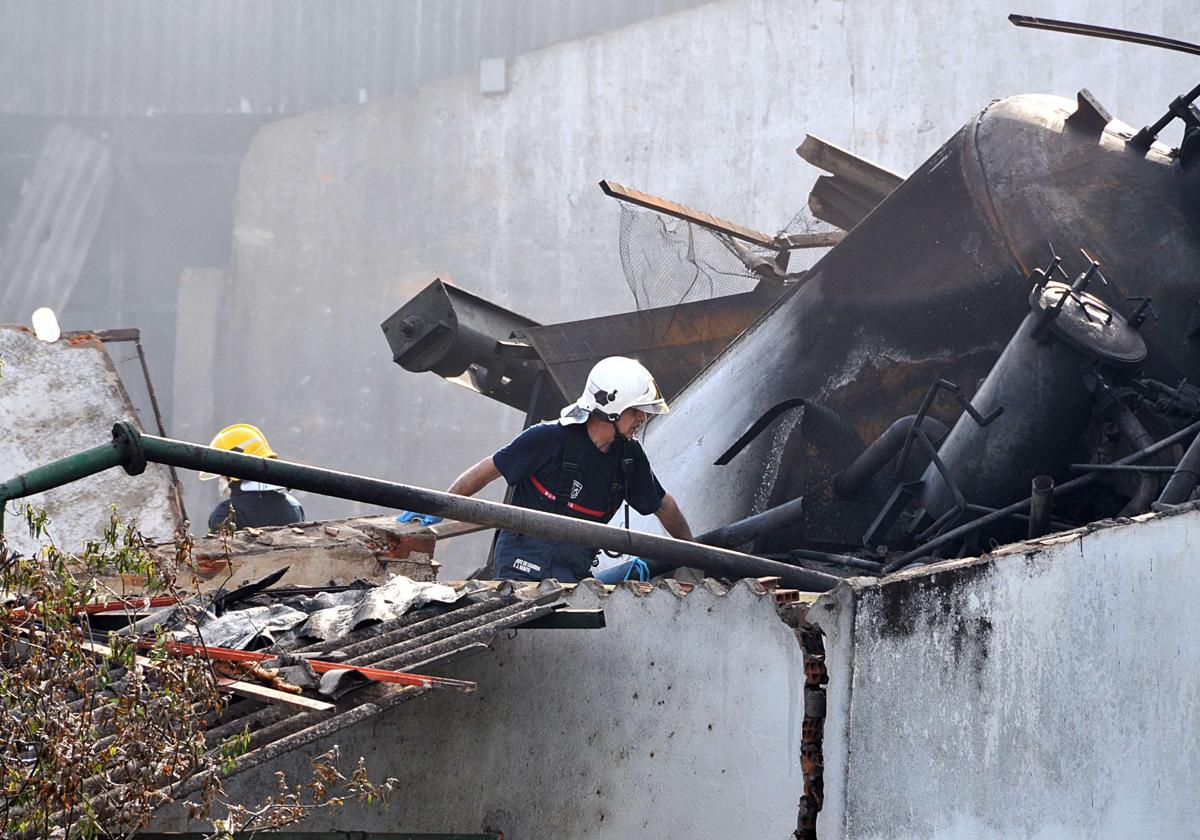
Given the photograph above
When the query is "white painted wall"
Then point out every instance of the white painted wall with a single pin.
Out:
(1052, 692)
(342, 215)
(58, 399)
(681, 718)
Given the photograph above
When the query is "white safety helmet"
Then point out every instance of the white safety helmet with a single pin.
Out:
(615, 384)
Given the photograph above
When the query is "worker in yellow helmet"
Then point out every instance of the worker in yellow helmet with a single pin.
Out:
(250, 503)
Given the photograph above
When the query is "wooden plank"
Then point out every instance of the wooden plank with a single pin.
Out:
(679, 211)
(271, 695)
(450, 528)
(239, 687)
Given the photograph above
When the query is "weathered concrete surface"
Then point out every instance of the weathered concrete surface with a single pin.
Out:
(1052, 692)
(201, 342)
(681, 718)
(57, 399)
(342, 215)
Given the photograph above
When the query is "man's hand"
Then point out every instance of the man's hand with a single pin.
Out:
(673, 520)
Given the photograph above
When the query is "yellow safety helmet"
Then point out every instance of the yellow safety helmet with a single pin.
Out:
(243, 438)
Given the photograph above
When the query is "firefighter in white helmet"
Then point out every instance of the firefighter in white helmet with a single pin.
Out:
(254, 504)
(584, 465)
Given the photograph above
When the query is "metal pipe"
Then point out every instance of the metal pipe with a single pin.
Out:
(1056, 524)
(132, 449)
(1147, 468)
(837, 559)
(744, 530)
(1147, 486)
(1183, 479)
(884, 449)
(64, 471)
(1023, 505)
(1041, 503)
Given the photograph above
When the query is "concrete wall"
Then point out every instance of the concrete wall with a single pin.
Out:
(342, 215)
(57, 399)
(681, 718)
(1052, 691)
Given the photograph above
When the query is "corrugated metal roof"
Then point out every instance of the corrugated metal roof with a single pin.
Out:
(420, 639)
(138, 57)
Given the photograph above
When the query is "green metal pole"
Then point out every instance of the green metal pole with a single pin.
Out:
(60, 472)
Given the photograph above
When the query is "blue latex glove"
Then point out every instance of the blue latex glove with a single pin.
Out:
(425, 519)
(635, 568)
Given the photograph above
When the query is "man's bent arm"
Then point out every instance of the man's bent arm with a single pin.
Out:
(475, 479)
(673, 520)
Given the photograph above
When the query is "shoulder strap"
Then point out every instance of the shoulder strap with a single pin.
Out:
(572, 452)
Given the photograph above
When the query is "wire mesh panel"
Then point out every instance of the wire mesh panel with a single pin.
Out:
(669, 261)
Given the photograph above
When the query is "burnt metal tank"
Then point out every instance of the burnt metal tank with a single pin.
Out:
(1038, 398)
(932, 285)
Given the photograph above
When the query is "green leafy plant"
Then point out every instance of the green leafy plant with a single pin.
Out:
(97, 736)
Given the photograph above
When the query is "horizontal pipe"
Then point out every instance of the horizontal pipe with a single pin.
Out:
(717, 561)
(1023, 505)
(744, 530)
(60, 472)
(837, 559)
(1132, 468)
(1056, 524)
(132, 450)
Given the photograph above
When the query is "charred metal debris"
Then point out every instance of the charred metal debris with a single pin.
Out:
(1009, 390)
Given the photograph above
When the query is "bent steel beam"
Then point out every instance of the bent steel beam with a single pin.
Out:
(132, 450)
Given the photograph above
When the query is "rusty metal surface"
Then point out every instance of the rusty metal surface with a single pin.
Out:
(674, 343)
(679, 211)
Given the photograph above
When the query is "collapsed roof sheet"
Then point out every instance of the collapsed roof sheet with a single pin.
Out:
(418, 640)
(70, 386)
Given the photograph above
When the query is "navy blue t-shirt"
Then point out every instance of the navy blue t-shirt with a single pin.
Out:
(533, 463)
